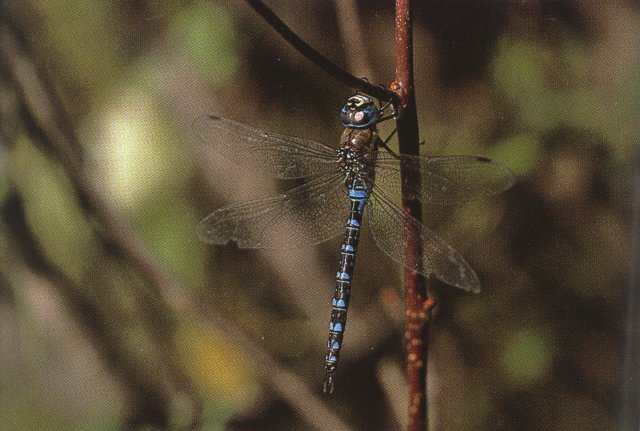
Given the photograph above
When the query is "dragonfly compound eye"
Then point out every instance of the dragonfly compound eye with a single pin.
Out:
(359, 112)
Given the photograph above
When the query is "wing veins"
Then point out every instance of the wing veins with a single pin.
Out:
(438, 257)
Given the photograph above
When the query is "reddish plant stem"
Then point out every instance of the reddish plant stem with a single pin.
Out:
(417, 301)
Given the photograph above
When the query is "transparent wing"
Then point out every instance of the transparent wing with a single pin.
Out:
(445, 180)
(388, 224)
(276, 155)
(309, 214)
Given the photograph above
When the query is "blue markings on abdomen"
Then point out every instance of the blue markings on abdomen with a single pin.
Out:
(342, 276)
(353, 223)
(357, 193)
(347, 248)
(340, 302)
(335, 327)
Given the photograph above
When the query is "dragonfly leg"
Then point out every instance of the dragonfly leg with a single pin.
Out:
(393, 132)
(393, 114)
(383, 144)
(383, 107)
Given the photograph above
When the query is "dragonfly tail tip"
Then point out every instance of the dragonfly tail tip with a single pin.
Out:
(327, 388)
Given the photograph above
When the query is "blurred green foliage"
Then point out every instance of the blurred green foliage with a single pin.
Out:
(203, 32)
(527, 358)
(50, 208)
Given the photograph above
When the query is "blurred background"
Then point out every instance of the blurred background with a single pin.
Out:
(113, 316)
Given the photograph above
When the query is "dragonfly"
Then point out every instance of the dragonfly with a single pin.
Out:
(362, 172)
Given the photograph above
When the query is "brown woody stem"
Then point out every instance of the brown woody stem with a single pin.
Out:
(417, 301)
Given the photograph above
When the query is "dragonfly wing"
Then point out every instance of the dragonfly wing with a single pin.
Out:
(445, 180)
(389, 224)
(309, 214)
(275, 155)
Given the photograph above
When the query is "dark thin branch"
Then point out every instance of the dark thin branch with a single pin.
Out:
(320, 60)
(417, 302)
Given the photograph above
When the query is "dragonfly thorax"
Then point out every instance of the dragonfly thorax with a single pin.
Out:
(356, 155)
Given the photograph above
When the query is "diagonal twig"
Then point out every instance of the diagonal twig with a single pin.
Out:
(318, 59)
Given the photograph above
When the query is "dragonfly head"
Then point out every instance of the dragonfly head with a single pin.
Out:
(359, 112)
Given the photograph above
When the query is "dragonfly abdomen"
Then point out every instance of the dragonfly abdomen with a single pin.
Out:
(358, 196)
